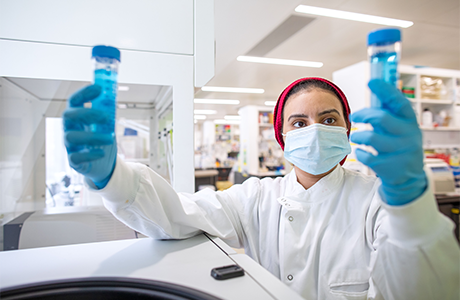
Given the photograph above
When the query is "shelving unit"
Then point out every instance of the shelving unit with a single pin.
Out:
(353, 81)
(447, 97)
(253, 140)
(227, 140)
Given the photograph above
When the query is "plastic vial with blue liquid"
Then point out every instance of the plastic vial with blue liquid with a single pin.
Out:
(384, 52)
(106, 60)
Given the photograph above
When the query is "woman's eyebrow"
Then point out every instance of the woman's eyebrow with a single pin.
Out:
(297, 116)
(329, 111)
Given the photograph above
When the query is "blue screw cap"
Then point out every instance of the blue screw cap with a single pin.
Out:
(106, 51)
(384, 36)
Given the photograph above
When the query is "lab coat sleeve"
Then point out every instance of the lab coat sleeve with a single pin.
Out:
(145, 202)
(416, 255)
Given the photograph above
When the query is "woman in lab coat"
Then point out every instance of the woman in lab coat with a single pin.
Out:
(325, 231)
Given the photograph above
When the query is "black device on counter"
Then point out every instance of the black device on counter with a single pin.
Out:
(227, 272)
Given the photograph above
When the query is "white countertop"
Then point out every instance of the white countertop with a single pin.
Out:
(184, 262)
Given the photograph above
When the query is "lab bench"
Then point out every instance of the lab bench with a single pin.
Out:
(211, 176)
(205, 177)
(449, 205)
(241, 177)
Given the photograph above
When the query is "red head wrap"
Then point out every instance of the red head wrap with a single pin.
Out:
(277, 113)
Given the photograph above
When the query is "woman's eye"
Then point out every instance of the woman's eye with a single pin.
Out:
(329, 121)
(299, 124)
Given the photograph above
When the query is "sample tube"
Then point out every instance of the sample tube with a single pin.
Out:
(106, 60)
(384, 52)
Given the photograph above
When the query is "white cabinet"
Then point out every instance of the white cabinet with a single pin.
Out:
(142, 25)
(353, 81)
(167, 49)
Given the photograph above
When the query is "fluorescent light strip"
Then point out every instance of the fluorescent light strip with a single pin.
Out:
(277, 61)
(311, 10)
(270, 103)
(217, 101)
(232, 90)
(199, 117)
(232, 117)
(205, 112)
(123, 88)
(222, 121)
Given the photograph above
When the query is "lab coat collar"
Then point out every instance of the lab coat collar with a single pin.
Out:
(319, 191)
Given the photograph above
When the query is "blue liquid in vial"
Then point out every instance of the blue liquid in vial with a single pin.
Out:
(107, 79)
(384, 65)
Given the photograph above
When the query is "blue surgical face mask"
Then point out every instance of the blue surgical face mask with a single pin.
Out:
(316, 148)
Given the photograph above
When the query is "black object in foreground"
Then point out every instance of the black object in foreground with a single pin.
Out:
(227, 272)
(104, 288)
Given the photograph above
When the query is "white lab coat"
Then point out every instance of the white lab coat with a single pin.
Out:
(336, 240)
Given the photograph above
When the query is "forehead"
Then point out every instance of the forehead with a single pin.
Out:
(311, 101)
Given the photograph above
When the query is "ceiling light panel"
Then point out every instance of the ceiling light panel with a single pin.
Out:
(232, 90)
(199, 117)
(217, 101)
(325, 12)
(270, 103)
(205, 112)
(228, 117)
(277, 61)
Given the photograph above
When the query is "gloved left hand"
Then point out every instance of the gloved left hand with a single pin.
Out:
(91, 154)
(398, 141)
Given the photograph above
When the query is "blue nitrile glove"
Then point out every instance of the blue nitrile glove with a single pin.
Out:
(398, 141)
(95, 164)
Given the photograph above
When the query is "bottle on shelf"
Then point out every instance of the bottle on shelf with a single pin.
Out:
(427, 118)
(266, 118)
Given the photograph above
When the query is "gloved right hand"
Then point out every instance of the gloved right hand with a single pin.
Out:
(398, 141)
(91, 154)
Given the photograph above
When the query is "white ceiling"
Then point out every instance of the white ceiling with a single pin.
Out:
(433, 40)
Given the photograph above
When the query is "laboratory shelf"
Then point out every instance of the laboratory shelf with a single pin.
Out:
(440, 128)
(428, 101)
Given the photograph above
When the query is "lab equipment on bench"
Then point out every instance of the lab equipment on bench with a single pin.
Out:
(384, 51)
(136, 269)
(227, 272)
(440, 176)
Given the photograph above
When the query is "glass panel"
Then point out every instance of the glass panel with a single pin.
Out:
(34, 170)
